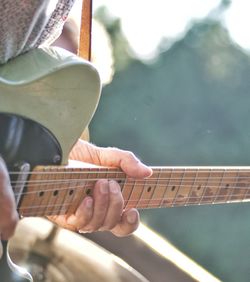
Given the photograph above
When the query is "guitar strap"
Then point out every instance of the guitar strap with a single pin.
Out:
(85, 31)
(84, 50)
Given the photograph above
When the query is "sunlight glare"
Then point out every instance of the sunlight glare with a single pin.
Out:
(145, 23)
(237, 21)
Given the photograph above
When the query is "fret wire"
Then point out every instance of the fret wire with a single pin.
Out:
(50, 193)
(229, 196)
(192, 186)
(64, 211)
(52, 198)
(82, 186)
(124, 188)
(151, 192)
(172, 198)
(179, 185)
(141, 193)
(139, 184)
(72, 208)
(130, 193)
(89, 182)
(151, 197)
(83, 170)
(205, 188)
(67, 193)
(246, 193)
(123, 184)
(34, 198)
(39, 201)
(59, 198)
(166, 189)
(155, 187)
(219, 188)
(46, 182)
(87, 186)
(192, 197)
(48, 197)
(143, 207)
(131, 201)
(152, 206)
(56, 200)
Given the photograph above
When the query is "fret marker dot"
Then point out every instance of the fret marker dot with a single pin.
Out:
(173, 188)
(55, 193)
(41, 194)
(227, 185)
(71, 192)
(199, 187)
(149, 189)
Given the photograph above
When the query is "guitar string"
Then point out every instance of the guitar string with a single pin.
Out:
(59, 211)
(70, 188)
(138, 202)
(112, 170)
(56, 181)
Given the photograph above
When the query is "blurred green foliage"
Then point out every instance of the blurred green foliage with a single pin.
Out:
(190, 107)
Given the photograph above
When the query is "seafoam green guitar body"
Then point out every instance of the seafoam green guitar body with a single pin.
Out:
(53, 87)
(47, 98)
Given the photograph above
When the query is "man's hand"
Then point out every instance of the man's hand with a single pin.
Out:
(8, 213)
(105, 209)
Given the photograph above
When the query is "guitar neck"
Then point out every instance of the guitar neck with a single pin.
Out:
(54, 190)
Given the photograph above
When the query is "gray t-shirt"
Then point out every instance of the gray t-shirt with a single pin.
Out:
(27, 24)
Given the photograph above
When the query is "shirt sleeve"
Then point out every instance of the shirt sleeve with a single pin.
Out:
(26, 24)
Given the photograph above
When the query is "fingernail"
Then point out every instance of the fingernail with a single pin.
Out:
(104, 187)
(83, 231)
(113, 187)
(132, 217)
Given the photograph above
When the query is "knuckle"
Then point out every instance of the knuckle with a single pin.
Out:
(130, 155)
(131, 158)
(116, 200)
(101, 205)
(117, 203)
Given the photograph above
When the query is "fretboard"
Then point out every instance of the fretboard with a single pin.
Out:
(59, 190)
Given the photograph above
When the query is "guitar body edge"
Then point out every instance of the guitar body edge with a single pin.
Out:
(61, 95)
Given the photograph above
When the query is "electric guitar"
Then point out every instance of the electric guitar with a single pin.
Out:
(47, 97)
